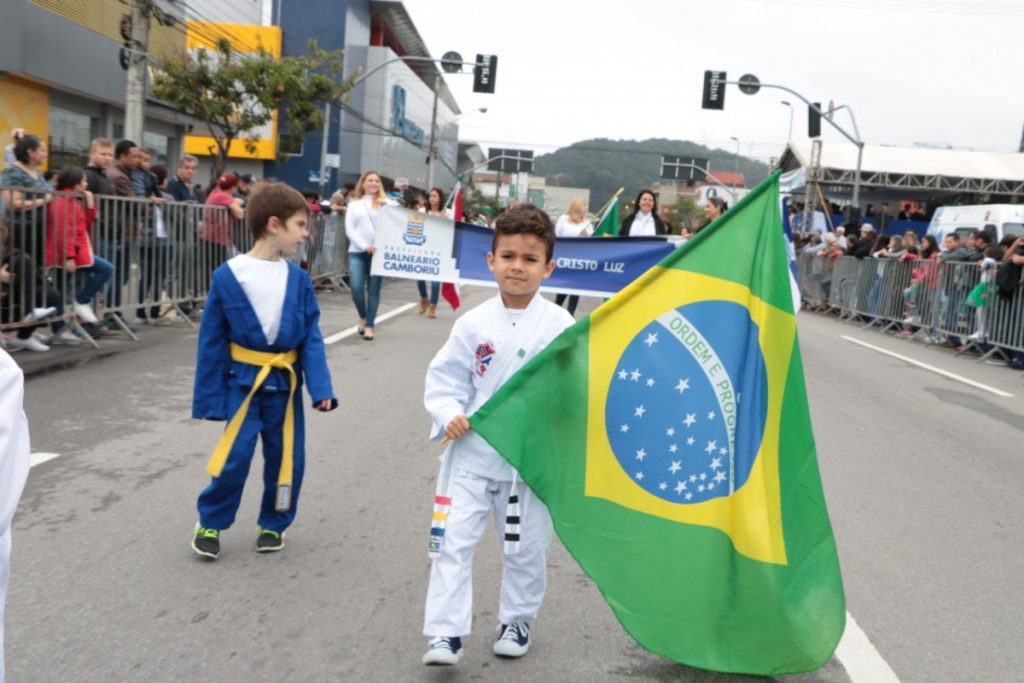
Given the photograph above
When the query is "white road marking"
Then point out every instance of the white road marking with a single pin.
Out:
(39, 458)
(860, 659)
(338, 336)
(930, 368)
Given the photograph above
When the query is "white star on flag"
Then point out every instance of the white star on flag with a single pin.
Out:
(639, 476)
(711, 486)
(635, 375)
(662, 486)
(699, 488)
(639, 411)
(723, 450)
(711, 415)
(715, 463)
(689, 441)
(640, 454)
(693, 477)
(680, 486)
(652, 339)
(623, 374)
(673, 448)
(676, 466)
(689, 496)
(712, 445)
(624, 428)
(690, 419)
(683, 385)
(650, 381)
(703, 476)
(720, 476)
(670, 432)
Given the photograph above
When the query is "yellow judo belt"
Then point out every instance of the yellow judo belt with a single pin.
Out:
(266, 362)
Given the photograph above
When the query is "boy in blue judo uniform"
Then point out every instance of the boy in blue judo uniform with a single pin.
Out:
(259, 338)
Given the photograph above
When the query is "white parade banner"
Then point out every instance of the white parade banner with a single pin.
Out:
(413, 244)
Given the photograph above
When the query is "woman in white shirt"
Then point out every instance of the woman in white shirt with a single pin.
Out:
(361, 229)
(573, 223)
(644, 221)
(434, 207)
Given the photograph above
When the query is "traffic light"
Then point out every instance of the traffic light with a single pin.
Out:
(484, 73)
(814, 121)
(714, 90)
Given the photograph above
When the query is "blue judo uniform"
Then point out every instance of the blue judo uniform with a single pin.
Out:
(222, 385)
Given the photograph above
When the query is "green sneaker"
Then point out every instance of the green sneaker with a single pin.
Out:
(206, 542)
(269, 541)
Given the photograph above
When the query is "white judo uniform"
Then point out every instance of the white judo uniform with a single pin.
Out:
(486, 347)
(14, 466)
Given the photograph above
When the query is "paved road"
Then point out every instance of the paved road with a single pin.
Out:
(918, 471)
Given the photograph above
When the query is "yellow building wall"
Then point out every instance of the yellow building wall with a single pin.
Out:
(104, 17)
(23, 104)
(248, 39)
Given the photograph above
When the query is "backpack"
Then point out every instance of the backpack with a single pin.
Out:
(1007, 279)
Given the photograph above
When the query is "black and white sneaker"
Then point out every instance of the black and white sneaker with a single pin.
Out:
(443, 651)
(206, 542)
(269, 541)
(513, 639)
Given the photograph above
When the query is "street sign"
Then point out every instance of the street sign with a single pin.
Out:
(749, 85)
(510, 160)
(451, 62)
(401, 183)
(814, 121)
(683, 168)
(484, 73)
(714, 90)
(333, 161)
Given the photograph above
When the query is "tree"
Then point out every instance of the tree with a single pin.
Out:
(233, 94)
(474, 202)
(683, 213)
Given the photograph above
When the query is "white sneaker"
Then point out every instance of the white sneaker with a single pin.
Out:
(513, 639)
(30, 344)
(85, 312)
(443, 651)
(39, 314)
(67, 336)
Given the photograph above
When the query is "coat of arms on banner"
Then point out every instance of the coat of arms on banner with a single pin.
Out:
(415, 232)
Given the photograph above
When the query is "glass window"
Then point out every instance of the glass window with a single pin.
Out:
(118, 132)
(1015, 229)
(159, 147)
(70, 135)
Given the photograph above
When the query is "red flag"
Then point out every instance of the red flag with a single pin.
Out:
(450, 290)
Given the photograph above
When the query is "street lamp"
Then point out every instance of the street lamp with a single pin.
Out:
(736, 165)
(789, 138)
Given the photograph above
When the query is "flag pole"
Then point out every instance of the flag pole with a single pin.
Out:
(604, 207)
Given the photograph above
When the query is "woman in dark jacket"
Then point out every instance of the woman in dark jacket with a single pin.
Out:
(644, 221)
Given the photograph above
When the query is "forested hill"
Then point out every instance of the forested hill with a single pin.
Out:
(606, 165)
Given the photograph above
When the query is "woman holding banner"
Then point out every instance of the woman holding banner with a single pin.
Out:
(435, 207)
(644, 221)
(573, 223)
(361, 229)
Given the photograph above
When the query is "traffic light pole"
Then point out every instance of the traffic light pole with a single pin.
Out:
(855, 138)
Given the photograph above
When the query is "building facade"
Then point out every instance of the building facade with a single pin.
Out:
(60, 76)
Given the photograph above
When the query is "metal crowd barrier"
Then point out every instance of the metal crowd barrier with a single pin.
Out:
(919, 299)
(162, 254)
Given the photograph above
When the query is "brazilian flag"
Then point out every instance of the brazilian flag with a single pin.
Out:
(670, 437)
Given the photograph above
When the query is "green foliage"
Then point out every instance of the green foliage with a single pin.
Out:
(683, 213)
(604, 165)
(475, 202)
(234, 94)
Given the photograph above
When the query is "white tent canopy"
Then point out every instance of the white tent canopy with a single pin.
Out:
(909, 171)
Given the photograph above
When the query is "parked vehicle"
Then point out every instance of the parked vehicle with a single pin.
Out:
(1004, 219)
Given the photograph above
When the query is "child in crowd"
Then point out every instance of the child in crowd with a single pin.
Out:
(259, 338)
(69, 250)
(486, 347)
(982, 296)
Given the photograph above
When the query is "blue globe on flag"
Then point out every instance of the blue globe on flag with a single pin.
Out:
(686, 407)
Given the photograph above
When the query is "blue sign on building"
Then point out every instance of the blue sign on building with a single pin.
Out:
(401, 125)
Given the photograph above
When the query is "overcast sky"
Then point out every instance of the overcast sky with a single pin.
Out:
(929, 71)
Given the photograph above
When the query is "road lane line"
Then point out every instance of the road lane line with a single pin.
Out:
(39, 458)
(338, 336)
(930, 368)
(860, 659)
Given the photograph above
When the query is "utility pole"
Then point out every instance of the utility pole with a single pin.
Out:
(135, 91)
(432, 149)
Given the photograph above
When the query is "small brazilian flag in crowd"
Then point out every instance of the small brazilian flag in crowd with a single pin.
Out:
(670, 437)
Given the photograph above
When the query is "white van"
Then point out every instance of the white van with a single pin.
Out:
(1004, 219)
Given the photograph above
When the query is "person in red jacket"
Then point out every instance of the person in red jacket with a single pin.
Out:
(68, 247)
